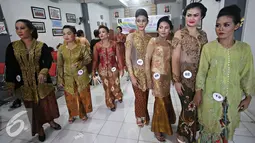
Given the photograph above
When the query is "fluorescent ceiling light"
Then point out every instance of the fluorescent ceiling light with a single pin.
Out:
(124, 2)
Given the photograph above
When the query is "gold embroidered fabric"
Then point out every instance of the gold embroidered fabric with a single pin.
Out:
(44, 71)
(30, 68)
(158, 66)
(190, 53)
(72, 68)
(136, 45)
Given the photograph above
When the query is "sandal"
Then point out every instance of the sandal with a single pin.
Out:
(180, 139)
(85, 118)
(71, 120)
(139, 122)
(145, 122)
(160, 137)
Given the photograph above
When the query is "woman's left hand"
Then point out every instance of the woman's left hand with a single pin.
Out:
(121, 73)
(41, 78)
(244, 104)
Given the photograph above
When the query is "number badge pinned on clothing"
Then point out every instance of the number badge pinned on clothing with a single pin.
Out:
(18, 78)
(187, 74)
(80, 72)
(113, 69)
(140, 62)
(156, 76)
(218, 97)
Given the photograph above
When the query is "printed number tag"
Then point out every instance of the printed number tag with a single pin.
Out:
(80, 72)
(187, 74)
(156, 76)
(218, 97)
(140, 62)
(113, 69)
(18, 78)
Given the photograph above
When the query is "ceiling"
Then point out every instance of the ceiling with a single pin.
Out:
(117, 3)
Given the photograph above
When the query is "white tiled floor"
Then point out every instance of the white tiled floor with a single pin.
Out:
(105, 126)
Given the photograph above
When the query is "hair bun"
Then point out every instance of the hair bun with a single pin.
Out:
(232, 8)
(235, 8)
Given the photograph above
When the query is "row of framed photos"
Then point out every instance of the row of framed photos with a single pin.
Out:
(40, 26)
(54, 14)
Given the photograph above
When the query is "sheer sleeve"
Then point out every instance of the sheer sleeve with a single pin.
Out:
(86, 56)
(203, 69)
(87, 42)
(128, 51)
(247, 74)
(11, 67)
(120, 59)
(45, 60)
(148, 56)
(95, 59)
(60, 66)
(176, 43)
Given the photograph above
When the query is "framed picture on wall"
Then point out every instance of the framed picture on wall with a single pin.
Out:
(38, 13)
(98, 23)
(167, 9)
(40, 26)
(56, 24)
(57, 32)
(2, 28)
(116, 14)
(54, 13)
(102, 23)
(70, 18)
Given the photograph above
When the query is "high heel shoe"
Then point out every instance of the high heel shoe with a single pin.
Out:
(55, 126)
(113, 109)
(42, 138)
(160, 137)
(16, 104)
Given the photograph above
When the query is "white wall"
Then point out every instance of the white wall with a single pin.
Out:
(248, 36)
(113, 19)
(209, 21)
(95, 10)
(17, 9)
(175, 11)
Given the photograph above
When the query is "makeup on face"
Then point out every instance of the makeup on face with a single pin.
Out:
(164, 29)
(103, 34)
(141, 22)
(68, 35)
(193, 17)
(225, 27)
(22, 30)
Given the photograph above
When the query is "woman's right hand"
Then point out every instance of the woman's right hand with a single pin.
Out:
(179, 88)
(134, 80)
(198, 98)
(61, 85)
(10, 92)
(150, 85)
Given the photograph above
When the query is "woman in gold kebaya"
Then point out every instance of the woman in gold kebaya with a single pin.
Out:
(158, 72)
(109, 68)
(27, 64)
(136, 45)
(73, 74)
